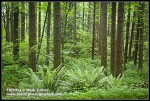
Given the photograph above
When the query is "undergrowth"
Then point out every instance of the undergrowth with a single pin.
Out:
(79, 78)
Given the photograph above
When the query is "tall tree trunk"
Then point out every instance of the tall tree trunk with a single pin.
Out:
(19, 26)
(39, 23)
(12, 21)
(137, 37)
(100, 34)
(93, 37)
(113, 31)
(27, 19)
(32, 36)
(141, 40)
(83, 18)
(36, 19)
(119, 48)
(48, 33)
(57, 35)
(97, 24)
(64, 31)
(104, 34)
(23, 22)
(132, 32)
(16, 40)
(127, 35)
(89, 17)
(74, 29)
(7, 24)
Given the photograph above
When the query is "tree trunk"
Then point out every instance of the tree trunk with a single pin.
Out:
(23, 22)
(83, 18)
(7, 24)
(104, 34)
(137, 37)
(132, 33)
(141, 40)
(48, 33)
(16, 40)
(119, 48)
(113, 31)
(32, 36)
(12, 21)
(89, 17)
(64, 31)
(27, 20)
(127, 35)
(39, 24)
(74, 29)
(19, 27)
(100, 34)
(93, 37)
(57, 35)
(97, 17)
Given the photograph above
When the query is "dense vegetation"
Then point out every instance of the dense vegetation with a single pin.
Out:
(76, 50)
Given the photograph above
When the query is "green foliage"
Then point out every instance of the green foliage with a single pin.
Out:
(32, 81)
(83, 34)
(82, 50)
(44, 6)
(130, 65)
(12, 75)
(24, 52)
(50, 77)
(135, 77)
(111, 82)
(122, 92)
(7, 54)
(79, 75)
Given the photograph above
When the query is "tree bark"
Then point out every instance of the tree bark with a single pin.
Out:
(113, 31)
(83, 18)
(57, 35)
(64, 31)
(100, 34)
(137, 36)
(141, 40)
(39, 24)
(23, 22)
(32, 36)
(89, 17)
(104, 34)
(16, 40)
(7, 24)
(12, 21)
(93, 37)
(74, 29)
(97, 24)
(48, 33)
(119, 48)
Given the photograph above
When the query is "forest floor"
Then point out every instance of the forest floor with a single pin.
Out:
(134, 86)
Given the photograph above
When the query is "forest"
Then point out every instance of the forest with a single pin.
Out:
(75, 50)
